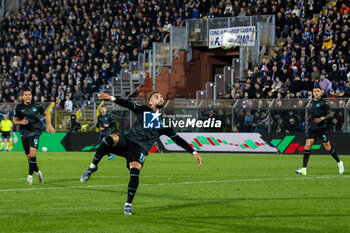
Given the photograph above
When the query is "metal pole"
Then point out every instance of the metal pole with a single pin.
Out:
(269, 116)
(206, 39)
(345, 120)
(307, 114)
(130, 120)
(154, 66)
(172, 33)
(242, 59)
(258, 43)
(2, 7)
(233, 115)
(187, 35)
(214, 91)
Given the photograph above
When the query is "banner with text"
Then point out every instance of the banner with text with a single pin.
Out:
(221, 142)
(246, 35)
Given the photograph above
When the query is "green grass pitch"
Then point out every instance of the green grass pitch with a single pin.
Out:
(228, 193)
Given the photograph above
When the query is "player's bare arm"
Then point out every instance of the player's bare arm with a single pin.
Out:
(182, 143)
(105, 96)
(48, 120)
(24, 121)
(328, 116)
(197, 158)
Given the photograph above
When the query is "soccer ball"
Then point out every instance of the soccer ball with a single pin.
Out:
(228, 40)
(44, 149)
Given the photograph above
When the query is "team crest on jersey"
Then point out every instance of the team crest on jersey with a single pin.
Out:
(34, 110)
(317, 105)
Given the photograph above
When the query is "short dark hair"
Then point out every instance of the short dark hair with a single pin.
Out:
(317, 85)
(151, 94)
(27, 89)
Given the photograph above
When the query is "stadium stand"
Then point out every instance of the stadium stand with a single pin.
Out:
(72, 48)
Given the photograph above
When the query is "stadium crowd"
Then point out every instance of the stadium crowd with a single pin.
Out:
(66, 50)
(313, 52)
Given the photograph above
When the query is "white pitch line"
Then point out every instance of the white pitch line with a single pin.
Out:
(175, 183)
(99, 177)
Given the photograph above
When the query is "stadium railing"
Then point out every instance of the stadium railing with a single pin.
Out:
(234, 114)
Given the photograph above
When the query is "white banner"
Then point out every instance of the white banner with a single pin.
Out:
(221, 142)
(244, 34)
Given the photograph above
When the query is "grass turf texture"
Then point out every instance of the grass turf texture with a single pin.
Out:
(228, 193)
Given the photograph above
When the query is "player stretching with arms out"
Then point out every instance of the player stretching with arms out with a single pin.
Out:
(26, 115)
(135, 145)
(319, 113)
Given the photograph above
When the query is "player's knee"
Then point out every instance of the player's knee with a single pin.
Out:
(136, 165)
(32, 152)
(308, 146)
(115, 138)
(109, 141)
(327, 146)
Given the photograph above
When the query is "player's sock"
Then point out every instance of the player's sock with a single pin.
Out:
(92, 166)
(33, 163)
(334, 155)
(306, 158)
(133, 184)
(2, 145)
(8, 145)
(103, 149)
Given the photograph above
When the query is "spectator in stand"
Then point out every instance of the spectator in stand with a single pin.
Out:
(334, 75)
(55, 47)
(279, 127)
(292, 126)
(344, 9)
(277, 85)
(297, 84)
(307, 85)
(68, 104)
(237, 91)
(315, 74)
(325, 84)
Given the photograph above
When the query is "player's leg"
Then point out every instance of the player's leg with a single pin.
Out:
(105, 147)
(107, 144)
(307, 149)
(327, 145)
(2, 142)
(110, 155)
(5, 142)
(135, 168)
(26, 148)
(8, 142)
(33, 165)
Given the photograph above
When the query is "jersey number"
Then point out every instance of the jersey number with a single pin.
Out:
(142, 158)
